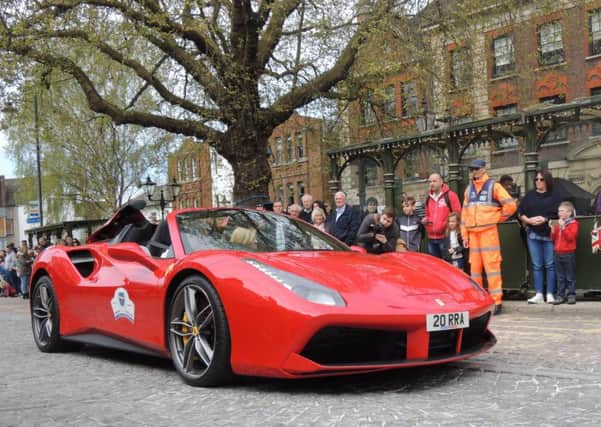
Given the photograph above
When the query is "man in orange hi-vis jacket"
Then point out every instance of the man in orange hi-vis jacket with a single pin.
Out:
(485, 204)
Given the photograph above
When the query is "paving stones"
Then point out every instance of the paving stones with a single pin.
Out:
(545, 370)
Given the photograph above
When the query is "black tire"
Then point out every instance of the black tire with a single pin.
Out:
(45, 317)
(198, 334)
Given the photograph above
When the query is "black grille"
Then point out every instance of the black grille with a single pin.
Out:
(475, 335)
(443, 344)
(350, 346)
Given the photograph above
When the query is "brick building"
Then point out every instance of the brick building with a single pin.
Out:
(298, 164)
(200, 171)
(509, 61)
(9, 218)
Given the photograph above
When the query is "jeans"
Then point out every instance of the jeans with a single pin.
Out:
(24, 284)
(436, 247)
(565, 265)
(541, 255)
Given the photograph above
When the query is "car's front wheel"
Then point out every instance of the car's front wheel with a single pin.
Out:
(45, 319)
(199, 339)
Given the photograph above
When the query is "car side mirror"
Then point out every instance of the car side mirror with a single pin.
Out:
(359, 249)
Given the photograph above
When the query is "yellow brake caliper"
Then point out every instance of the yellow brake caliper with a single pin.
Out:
(185, 329)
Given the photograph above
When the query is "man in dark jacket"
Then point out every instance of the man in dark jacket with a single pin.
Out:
(378, 234)
(410, 226)
(343, 223)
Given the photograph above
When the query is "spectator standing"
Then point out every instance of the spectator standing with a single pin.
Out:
(440, 203)
(278, 207)
(318, 218)
(507, 182)
(294, 210)
(25, 259)
(564, 233)
(372, 207)
(307, 201)
(537, 208)
(453, 243)
(10, 263)
(486, 203)
(597, 204)
(43, 243)
(378, 234)
(343, 223)
(410, 226)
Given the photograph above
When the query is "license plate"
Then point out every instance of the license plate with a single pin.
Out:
(447, 321)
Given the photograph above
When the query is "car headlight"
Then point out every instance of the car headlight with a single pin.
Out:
(302, 287)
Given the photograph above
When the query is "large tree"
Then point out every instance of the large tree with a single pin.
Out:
(223, 71)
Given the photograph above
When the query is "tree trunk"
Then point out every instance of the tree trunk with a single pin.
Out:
(252, 173)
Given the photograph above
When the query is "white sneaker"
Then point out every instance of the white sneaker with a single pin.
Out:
(550, 299)
(536, 299)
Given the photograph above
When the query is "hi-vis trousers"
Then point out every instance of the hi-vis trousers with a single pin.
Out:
(485, 254)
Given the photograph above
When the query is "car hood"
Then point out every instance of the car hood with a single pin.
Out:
(396, 274)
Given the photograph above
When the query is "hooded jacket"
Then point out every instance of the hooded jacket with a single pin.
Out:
(437, 211)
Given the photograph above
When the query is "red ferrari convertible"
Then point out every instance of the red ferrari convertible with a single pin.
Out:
(233, 291)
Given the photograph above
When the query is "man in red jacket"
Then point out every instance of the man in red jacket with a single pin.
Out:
(441, 202)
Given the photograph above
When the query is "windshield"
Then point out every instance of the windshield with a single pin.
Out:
(252, 231)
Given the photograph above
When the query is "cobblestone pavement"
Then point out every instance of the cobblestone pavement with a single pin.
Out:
(545, 370)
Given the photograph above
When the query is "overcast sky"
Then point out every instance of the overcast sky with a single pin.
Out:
(6, 166)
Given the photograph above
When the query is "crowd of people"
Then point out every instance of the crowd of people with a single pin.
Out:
(464, 232)
(15, 265)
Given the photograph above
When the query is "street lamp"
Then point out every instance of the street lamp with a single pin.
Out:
(9, 109)
(173, 190)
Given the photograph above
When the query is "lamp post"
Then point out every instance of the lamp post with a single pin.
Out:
(37, 157)
(173, 191)
(9, 109)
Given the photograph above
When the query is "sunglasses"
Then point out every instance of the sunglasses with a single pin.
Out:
(539, 179)
(474, 169)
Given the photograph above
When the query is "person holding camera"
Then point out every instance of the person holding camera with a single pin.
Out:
(378, 234)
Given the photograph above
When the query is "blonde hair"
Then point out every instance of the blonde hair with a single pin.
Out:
(318, 211)
(569, 205)
(244, 236)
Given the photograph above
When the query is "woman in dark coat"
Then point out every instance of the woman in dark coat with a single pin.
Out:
(536, 209)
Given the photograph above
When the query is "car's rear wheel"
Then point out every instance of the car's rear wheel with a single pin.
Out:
(199, 339)
(45, 318)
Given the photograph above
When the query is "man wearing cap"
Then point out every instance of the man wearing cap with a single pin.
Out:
(485, 204)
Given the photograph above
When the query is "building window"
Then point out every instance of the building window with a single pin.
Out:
(554, 99)
(506, 110)
(280, 195)
(301, 189)
(389, 104)
(10, 226)
(289, 149)
(550, 43)
(290, 194)
(194, 168)
(595, 91)
(561, 134)
(409, 99)
(180, 170)
(371, 172)
(278, 151)
(460, 70)
(300, 148)
(368, 115)
(507, 142)
(594, 26)
(503, 55)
